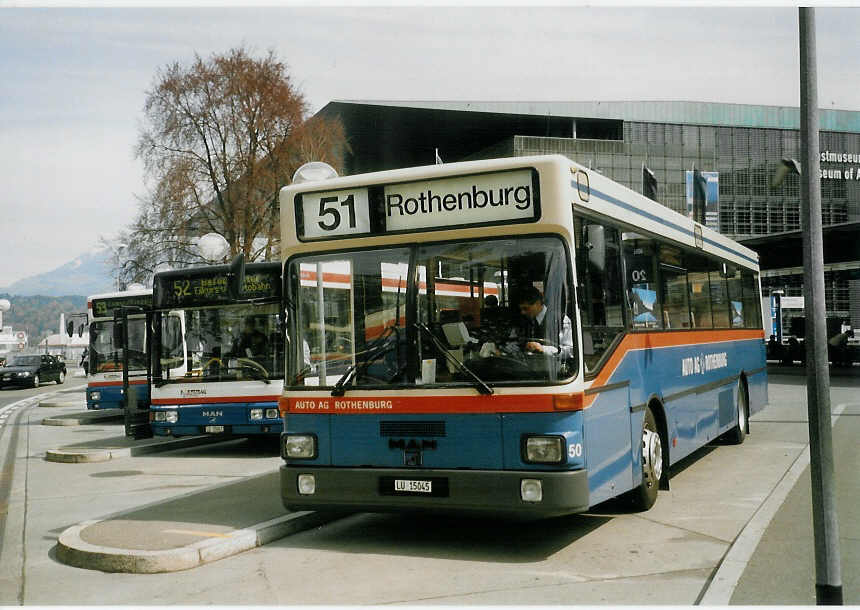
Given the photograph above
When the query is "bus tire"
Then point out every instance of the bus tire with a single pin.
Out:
(644, 496)
(737, 434)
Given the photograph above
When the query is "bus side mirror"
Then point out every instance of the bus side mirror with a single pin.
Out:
(70, 328)
(236, 279)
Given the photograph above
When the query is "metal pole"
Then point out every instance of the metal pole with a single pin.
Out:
(321, 317)
(828, 577)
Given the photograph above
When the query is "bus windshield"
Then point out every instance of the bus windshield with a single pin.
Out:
(105, 357)
(452, 313)
(224, 343)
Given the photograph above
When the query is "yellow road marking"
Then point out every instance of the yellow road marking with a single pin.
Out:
(196, 533)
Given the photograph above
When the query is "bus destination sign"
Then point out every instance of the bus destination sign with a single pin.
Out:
(212, 289)
(104, 308)
(468, 200)
(460, 201)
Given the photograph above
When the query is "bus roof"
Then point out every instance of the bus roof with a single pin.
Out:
(100, 306)
(561, 179)
(120, 294)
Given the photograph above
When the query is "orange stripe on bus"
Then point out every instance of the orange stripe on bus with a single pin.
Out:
(519, 403)
(637, 341)
(103, 384)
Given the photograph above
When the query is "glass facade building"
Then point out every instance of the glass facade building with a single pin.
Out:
(738, 148)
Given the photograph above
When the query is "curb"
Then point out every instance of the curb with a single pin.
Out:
(24, 403)
(81, 457)
(63, 402)
(72, 455)
(78, 388)
(74, 551)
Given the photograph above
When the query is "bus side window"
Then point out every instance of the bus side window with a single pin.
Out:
(676, 309)
(751, 299)
(736, 300)
(599, 277)
(643, 296)
(699, 286)
(720, 297)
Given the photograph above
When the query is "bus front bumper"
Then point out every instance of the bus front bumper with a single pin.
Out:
(485, 492)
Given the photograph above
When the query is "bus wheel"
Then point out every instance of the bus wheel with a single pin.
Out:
(737, 434)
(645, 495)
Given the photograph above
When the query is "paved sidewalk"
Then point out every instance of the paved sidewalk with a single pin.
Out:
(83, 418)
(72, 405)
(782, 568)
(114, 447)
(179, 534)
(73, 397)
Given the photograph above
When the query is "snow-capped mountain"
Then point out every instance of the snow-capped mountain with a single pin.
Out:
(86, 274)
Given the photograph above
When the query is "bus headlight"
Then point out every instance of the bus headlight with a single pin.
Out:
(299, 446)
(272, 414)
(170, 417)
(95, 396)
(543, 449)
(256, 414)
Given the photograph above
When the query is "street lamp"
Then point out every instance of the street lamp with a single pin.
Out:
(787, 166)
(213, 247)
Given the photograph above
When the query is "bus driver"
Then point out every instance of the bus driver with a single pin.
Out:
(535, 337)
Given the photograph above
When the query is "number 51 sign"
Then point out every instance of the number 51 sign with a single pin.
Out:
(335, 213)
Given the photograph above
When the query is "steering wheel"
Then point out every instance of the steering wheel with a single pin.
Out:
(498, 368)
(253, 365)
(212, 361)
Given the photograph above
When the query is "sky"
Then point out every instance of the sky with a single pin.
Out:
(73, 80)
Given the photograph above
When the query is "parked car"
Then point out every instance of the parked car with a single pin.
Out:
(31, 370)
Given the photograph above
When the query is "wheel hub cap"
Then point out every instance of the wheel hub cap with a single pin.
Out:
(652, 455)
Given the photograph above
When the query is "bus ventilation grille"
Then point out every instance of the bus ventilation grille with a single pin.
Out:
(412, 428)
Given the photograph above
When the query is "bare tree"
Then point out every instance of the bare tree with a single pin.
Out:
(219, 140)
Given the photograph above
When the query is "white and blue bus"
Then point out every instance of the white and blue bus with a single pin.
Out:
(521, 337)
(105, 356)
(217, 365)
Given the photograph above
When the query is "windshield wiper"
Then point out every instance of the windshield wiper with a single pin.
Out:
(482, 387)
(374, 349)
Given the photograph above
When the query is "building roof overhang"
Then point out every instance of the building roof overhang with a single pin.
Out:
(785, 250)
